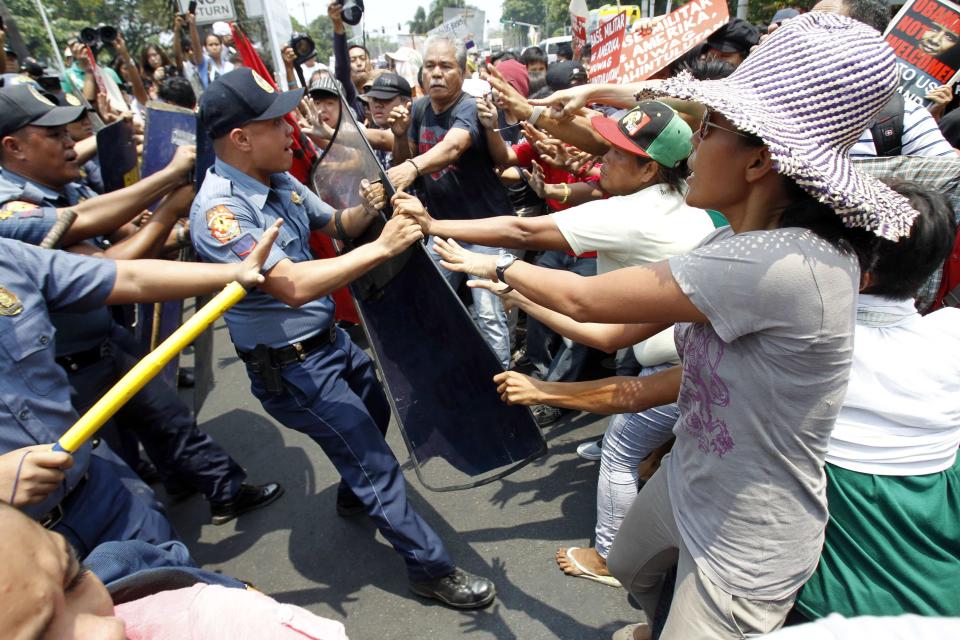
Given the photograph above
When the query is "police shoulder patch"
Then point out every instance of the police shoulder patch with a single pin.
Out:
(17, 206)
(223, 225)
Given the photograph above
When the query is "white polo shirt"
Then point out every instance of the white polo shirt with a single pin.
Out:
(642, 228)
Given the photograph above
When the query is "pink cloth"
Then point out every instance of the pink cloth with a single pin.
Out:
(212, 612)
(515, 73)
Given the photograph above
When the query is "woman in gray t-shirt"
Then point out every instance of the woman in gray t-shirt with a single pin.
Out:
(766, 314)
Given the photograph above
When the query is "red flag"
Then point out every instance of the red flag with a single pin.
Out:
(304, 155)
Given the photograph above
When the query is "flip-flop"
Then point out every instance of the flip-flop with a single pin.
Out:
(610, 581)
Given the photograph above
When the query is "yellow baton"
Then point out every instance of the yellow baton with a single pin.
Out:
(145, 370)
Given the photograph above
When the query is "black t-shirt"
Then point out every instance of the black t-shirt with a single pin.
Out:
(950, 126)
(468, 188)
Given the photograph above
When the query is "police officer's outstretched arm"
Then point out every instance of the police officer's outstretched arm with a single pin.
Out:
(154, 280)
(106, 213)
(296, 283)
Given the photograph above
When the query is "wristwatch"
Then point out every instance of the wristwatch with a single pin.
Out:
(503, 263)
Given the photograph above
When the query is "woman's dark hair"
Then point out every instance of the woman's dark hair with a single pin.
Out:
(806, 212)
(903, 267)
(875, 13)
(706, 68)
(146, 68)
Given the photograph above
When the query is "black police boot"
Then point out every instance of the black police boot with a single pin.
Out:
(458, 590)
(249, 497)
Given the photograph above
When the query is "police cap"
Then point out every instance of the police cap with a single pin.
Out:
(23, 105)
(243, 96)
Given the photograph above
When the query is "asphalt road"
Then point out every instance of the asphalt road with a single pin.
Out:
(300, 552)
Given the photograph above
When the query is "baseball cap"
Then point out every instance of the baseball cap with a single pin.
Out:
(784, 14)
(389, 86)
(649, 130)
(243, 96)
(221, 29)
(406, 54)
(561, 75)
(737, 36)
(22, 105)
(325, 86)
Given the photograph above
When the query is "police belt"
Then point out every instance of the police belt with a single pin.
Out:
(294, 352)
(83, 359)
(53, 517)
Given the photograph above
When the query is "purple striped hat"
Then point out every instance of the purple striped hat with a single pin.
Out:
(809, 92)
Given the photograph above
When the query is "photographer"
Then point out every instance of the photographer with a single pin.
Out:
(78, 77)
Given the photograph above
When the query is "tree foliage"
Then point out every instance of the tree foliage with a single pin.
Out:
(140, 21)
(419, 22)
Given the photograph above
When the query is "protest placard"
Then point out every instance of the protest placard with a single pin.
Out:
(578, 26)
(925, 36)
(605, 47)
(670, 38)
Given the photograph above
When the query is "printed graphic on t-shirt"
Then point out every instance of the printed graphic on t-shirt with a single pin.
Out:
(429, 138)
(703, 389)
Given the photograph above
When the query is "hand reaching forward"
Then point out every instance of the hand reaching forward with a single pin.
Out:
(516, 388)
(248, 272)
(456, 258)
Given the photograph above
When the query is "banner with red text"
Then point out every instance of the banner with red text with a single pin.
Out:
(578, 26)
(670, 38)
(606, 43)
(925, 36)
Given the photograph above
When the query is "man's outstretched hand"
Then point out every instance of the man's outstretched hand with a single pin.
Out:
(248, 271)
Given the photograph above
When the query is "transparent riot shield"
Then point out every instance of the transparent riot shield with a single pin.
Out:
(436, 367)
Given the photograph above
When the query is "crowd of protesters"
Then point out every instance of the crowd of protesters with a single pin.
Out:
(758, 243)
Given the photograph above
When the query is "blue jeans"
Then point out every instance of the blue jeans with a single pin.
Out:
(488, 311)
(630, 437)
(566, 362)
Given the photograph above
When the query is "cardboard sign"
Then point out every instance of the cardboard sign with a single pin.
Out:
(456, 28)
(606, 44)
(670, 38)
(925, 36)
(210, 11)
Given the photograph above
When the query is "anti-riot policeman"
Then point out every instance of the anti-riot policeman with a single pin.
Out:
(89, 503)
(304, 370)
(38, 175)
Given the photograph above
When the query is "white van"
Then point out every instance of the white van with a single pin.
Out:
(550, 46)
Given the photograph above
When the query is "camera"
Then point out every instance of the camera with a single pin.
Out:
(98, 37)
(352, 12)
(303, 46)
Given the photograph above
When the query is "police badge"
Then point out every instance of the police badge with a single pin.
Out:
(10, 304)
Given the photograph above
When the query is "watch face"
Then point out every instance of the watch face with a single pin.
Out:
(505, 260)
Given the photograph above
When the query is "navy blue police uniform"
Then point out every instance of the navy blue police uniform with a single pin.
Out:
(305, 371)
(96, 352)
(92, 505)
